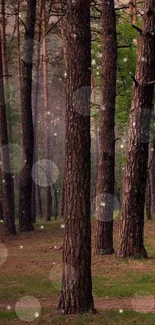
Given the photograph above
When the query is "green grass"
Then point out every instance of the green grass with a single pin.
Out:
(49, 316)
(112, 277)
(123, 287)
(14, 287)
(7, 315)
(110, 318)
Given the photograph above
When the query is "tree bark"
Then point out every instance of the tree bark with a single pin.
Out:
(36, 197)
(152, 178)
(48, 195)
(7, 184)
(6, 81)
(55, 202)
(106, 166)
(76, 293)
(132, 219)
(148, 197)
(25, 182)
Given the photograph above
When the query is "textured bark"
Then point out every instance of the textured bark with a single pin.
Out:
(6, 81)
(152, 178)
(106, 166)
(36, 197)
(5, 64)
(7, 184)
(148, 197)
(1, 211)
(25, 182)
(132, 219)
(48, 196)
(76, 294)
(62, 196)
(18, 42)
(61, 202)
(148, 201)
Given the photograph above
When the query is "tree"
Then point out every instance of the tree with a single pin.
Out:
(132, 218)
(76, 293)
(7, 184)
(48, 196)
(36, 195)
(152, 176)
(106, 165)
(25, 181)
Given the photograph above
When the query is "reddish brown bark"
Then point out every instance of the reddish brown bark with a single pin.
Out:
(106, 165)
(76, 293)
(132, 219)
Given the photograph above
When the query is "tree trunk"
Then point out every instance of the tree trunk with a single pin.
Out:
(7, 184)
(25, 182)
(6, 80)
(133, 11)
(36, 198)
(55, 203)
(39, 210)
(62, 194)
(48, 197)
(152, 178)
(132, 219)
(5, 64)
(18, 44)
(106, 166)
(76, 294)
(148, 197)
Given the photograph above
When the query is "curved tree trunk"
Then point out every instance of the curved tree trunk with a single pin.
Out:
(76, 293)
(132, 219)
(106, 165)
(25, 181)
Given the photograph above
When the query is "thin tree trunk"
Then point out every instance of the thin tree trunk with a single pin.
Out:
(132, 219)
(5, 64)
(148, 197)
(55, 203)
(18, 44)
(62, 196)
(6, 79)
(7, 184)
(48, 196)
(39, 202)
(106, 166)
(36, 198)
(25, 182)
(76, 293)
(133, 11)
(152, 178)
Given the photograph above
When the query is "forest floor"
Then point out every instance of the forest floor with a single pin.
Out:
(124, 290)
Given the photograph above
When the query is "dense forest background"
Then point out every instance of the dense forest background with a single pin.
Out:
(77, 133)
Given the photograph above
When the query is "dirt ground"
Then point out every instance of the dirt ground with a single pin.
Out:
(39, 253)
